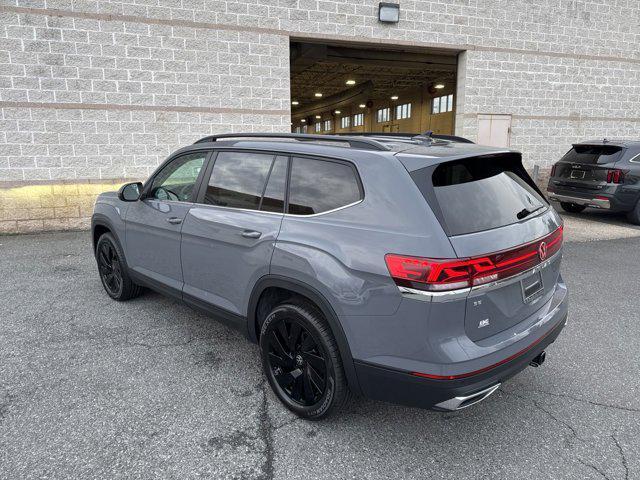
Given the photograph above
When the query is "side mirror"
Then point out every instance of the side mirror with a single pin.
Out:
(130, 192)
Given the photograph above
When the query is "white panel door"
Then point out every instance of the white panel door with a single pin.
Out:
(494, 130)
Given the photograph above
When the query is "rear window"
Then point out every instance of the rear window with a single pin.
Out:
(479, 194)
(593, 154)
(318, 186)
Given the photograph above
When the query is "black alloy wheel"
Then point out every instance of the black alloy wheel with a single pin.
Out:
(301, 360)
(113, 269)
(110, 269)
(297, 362)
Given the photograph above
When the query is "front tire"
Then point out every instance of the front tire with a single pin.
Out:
(113, 270)
(301, 360)
(572, 207)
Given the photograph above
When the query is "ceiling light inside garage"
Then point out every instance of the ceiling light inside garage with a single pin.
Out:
(317, 94)
(318, 117)
(362, 105)
(350, 82)
(394, 97)
(303, 121)
(439, 86)
(337, 112)
(295, 102)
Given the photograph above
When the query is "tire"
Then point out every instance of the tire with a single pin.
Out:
(113, 270)
(572, 207)
(301, 361)
(634, 215)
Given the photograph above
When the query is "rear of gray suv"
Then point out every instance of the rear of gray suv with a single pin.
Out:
(417, 271)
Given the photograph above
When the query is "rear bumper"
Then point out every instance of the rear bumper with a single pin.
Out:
(615, 198)
(601, 203)
(404, 388)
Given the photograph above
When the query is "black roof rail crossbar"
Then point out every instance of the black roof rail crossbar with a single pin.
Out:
(361, 142)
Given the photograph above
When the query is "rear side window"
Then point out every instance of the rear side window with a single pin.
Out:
(480, 194)
(240, 179)
(593, 154)
(318, 186)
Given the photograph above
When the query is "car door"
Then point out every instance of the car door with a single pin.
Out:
(153, 224)
(229, 234)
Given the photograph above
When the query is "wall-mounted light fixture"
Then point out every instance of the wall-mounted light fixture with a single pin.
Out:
(388, 12)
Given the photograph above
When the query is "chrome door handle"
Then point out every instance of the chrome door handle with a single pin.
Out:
(251, 234)
(174, 220)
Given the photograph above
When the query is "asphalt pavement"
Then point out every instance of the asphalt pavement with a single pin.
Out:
(92, 388)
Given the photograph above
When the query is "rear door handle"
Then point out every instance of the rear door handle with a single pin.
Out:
(251, 234)
(174, 220)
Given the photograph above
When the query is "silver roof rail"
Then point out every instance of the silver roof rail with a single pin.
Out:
(361, 143)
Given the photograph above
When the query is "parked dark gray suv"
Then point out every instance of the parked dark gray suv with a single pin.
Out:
(599, 174)
(413, 270)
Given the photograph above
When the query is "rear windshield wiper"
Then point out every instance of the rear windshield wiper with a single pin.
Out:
(525, 212)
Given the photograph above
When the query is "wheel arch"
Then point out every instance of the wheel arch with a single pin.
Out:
(101, 224)
(319, 300)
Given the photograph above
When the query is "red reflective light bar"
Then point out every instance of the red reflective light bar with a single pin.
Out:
(451, 274)
(485, 369)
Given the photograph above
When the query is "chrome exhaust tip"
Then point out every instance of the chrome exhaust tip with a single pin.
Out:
(459, 403)
(539, 360)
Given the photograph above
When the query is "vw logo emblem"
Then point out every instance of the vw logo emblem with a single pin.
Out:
(542, 250)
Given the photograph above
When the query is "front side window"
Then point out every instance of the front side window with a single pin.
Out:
(177, 179)
(240, 179)
(318, 186)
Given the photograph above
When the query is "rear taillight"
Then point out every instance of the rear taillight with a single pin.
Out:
(443, 274)
(615, 176)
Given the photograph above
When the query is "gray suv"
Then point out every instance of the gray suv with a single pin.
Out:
(416, 270)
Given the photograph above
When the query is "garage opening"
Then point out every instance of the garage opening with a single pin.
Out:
(344, 88)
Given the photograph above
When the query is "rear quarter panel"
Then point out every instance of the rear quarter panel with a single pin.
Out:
(341, 254)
